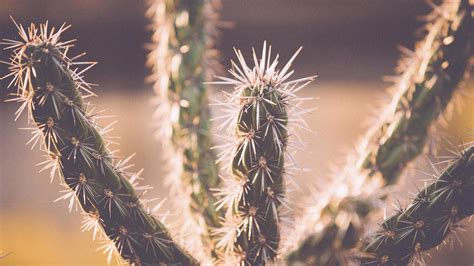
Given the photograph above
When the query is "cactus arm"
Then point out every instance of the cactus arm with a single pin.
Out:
(423, 93)
(53, 92)
(259, 122)
(184, 46)
(435, 213)
(427, 87)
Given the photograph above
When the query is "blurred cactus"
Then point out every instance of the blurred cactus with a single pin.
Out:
(182, 58)
(4, 254)
(431, 75)
(50, 86)
(435, 213)
(261, 109)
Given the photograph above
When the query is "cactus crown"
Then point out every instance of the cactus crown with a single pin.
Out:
(260, 109)
(50, 86)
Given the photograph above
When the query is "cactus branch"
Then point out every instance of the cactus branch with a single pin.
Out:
(181, 59)
(262, 107)
(435, 213)
(430, 78)
(50, 86)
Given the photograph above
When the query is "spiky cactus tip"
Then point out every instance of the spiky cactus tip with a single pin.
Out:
(262, 108)
(181, 58)
(435, 213)
(430, 78)
(50, 86)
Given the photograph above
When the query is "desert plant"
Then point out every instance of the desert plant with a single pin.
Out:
(434, 213)
(181, 60)
(243, 221)
(262, 109)
(427, 84)
(50, 86)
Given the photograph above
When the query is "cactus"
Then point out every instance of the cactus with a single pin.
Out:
(435, 213)
(262, 108)
(181, 60)
(423, 93)
(50, 86)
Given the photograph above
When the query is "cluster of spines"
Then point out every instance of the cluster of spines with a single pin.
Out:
(181, 59)
(260, 110)
(434, 213)
(51, 87)
(430, 78)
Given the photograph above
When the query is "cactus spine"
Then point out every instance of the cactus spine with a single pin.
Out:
(51, 88)
(261, 109)
(423, 93)
(435, 213)
(181, 60)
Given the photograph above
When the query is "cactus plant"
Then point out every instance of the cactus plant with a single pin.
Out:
(262, 106)
(243, 221)
(50, 86)
(181, 60)
(435, 213)
(423, 93)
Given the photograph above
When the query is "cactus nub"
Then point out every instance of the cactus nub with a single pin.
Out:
(52, 89)
(435, 213)
(426, 87)
(262, 107)
(182, 59)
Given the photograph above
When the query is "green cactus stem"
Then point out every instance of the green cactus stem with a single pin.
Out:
(181, 59)
(430, 78)
(262, 108)
(435, 213)
(51, 88)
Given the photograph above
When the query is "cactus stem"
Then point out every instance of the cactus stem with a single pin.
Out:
(78, 149)
(431, 75)
(434, 214)
(259, 114)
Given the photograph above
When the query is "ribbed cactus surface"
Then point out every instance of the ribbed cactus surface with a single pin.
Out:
(50, 86)
(181, 60)
(427, 84)
(435, 213)
(261, 108)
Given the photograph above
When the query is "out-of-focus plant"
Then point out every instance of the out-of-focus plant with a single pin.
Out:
(430, 76)
(51, 88)
(4, 254)
(182, 59)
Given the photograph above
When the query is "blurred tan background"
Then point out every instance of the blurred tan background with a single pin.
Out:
(350, 44)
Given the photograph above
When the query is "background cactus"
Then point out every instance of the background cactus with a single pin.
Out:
(51, 87)
(261, 109)
(435, 213)
(182, 59)
(429, 80)
(3, 254)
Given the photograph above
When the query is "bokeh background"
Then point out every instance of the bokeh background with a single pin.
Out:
(350, 44)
